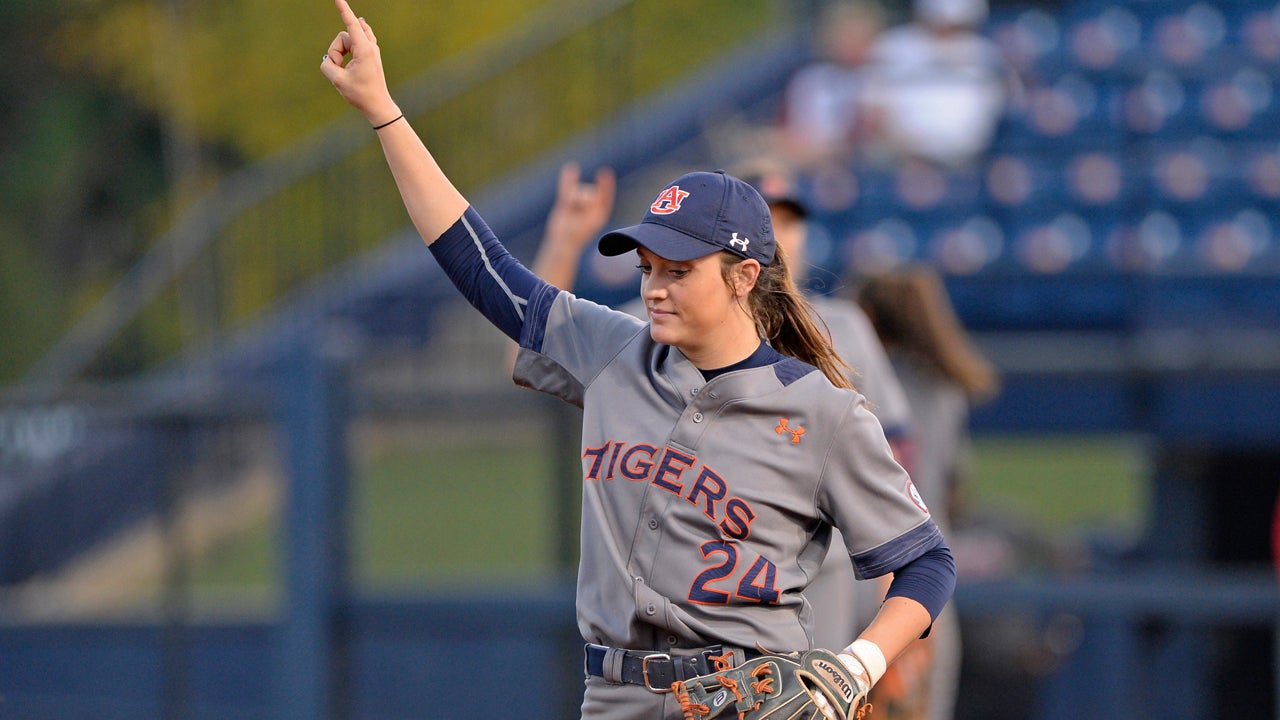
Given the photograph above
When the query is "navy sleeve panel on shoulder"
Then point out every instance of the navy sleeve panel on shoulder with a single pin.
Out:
(789, 370)
(493, 281)
(929, 579)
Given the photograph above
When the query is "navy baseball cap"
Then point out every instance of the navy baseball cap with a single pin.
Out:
(696, 215)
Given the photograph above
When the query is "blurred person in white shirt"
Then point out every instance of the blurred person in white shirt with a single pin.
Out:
(937, 87)
(821, 117)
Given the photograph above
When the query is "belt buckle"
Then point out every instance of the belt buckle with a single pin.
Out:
(644, 671)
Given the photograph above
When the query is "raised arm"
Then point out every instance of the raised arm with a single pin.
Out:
(580, 212)
(353, 63)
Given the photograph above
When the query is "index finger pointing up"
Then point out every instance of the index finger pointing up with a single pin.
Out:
(355, 27)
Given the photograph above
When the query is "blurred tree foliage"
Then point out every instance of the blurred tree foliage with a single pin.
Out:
(246, 72)
(80, 161)
(130, 109)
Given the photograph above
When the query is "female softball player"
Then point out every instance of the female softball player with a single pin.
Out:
(578, 216)
(721, 440)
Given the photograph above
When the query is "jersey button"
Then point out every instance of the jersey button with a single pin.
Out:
(651, 610)
(653, 523)
(697, 417)
(694, 391)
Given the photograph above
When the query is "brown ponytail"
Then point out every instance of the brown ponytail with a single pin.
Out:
(787, 320)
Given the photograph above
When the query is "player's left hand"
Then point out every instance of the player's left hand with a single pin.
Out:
(789, 686)
(359, 79)
(840, 695)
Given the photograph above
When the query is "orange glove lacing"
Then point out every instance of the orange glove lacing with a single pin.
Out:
(690, 709)
(721, 662)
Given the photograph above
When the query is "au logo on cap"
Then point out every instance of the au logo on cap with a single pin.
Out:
(668, 201)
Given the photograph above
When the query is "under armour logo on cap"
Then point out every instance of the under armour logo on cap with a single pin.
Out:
(696, 215)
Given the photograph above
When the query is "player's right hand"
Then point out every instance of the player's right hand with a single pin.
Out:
(360, 78)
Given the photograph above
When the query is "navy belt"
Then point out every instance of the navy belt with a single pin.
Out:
(656, 671)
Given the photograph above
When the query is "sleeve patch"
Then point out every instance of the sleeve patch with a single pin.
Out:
(914, 494)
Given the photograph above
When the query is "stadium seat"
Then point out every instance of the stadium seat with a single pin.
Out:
(1089, 181)
(1255, 29)
(1083, 112)
(1147, 242)
(1244, 103)
(1069, 241)
(1100, 181)
(1230, 241)
(1029, 39)
(920, 187)
(1149, 142)
(1258, 165)
(1160, 105)
(1186, 36)
(1013, 181)
(1235, 241)
(832, 189)
(880, 246)
(1104, 38)
(1192, 175)
(844, 200)
(967, 245)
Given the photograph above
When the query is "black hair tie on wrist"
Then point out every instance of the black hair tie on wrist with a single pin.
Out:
(398, 117)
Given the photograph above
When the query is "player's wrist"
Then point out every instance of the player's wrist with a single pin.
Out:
(385, 114)
(865, 661)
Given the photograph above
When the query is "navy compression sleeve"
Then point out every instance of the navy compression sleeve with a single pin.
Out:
(929, 579)
(493, 281)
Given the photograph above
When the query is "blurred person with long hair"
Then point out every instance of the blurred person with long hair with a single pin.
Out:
(943, 375)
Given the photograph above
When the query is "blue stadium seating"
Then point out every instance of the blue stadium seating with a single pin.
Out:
(1255, 30)
(1029, 38)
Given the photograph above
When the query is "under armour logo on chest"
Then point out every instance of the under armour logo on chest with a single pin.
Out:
(784, 427)
(740, 243)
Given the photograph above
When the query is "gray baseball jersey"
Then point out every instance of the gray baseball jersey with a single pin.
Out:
(707, 506)
(840, 606)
